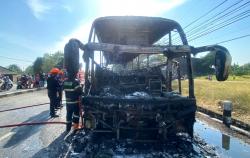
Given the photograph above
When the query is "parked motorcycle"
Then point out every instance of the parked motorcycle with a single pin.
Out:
(1, 83)
(6, 83)
(9, 85)
(22, 84)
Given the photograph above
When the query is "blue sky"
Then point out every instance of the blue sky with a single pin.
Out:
(30, 28)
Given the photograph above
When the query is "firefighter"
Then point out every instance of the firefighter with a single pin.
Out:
(72, 91)
(60, 90)
(53, 86)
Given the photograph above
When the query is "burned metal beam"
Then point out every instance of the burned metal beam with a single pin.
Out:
(179, 77)
(138, 100)
(117, 48)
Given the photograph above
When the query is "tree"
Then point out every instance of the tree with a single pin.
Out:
(52, 60)
(46, 63)
(203, 65)
(246, 69)
(15, 68)
(240, 70)
(29, 70)
(37, 66)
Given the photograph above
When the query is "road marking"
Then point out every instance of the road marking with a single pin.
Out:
(6, 135)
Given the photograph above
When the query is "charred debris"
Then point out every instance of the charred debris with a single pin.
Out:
(87, 144)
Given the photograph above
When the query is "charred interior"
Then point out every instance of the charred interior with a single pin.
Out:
(136, 104)
(128, 95)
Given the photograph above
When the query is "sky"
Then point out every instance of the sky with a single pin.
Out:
(30, 28)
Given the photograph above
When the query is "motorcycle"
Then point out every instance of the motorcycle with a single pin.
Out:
(6, 84)
(22, 84)
(1, 83)
(9, 85)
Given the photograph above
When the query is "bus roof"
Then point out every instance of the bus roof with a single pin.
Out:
(131, 30)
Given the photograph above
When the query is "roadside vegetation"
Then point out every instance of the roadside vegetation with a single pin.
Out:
(210, 94)
(41, 64)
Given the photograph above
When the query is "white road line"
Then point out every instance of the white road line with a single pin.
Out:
(6, 135)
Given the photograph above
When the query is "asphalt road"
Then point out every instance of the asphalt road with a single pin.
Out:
(29, 141)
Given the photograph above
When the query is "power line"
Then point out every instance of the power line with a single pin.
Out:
(234, 18)
(215, 20)
(205, 14)
(15, 59)
(222, 24)
(213, 17)
(214, 8)
(232, 39)
(206, 32)
(209, 23)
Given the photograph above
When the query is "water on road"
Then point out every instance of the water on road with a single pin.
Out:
(225, 144)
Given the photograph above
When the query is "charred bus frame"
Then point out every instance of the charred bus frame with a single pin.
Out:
(120, 40)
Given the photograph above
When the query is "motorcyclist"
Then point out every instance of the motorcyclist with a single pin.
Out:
(29, 81)
(24, 80)
(5, 79)
(7, 83)
(41, 79)
(36, 82)
(1, 81)
(10, 83)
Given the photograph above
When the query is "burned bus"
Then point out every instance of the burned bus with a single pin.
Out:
(133, 77)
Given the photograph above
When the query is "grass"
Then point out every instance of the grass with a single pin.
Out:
(210, 94)
(231, 78)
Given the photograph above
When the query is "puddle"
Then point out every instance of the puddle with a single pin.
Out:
(226, 145)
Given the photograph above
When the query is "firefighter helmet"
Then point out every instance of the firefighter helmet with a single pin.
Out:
(54, 71)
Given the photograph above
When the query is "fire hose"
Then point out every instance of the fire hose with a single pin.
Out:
(29, 123)
(32, 123)
(23, 107)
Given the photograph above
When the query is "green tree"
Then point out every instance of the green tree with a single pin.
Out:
(37, 66)
(238, 70)
(203, 65)
(52, 60)
(29, 70)
(246, 69)
(15, 68)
